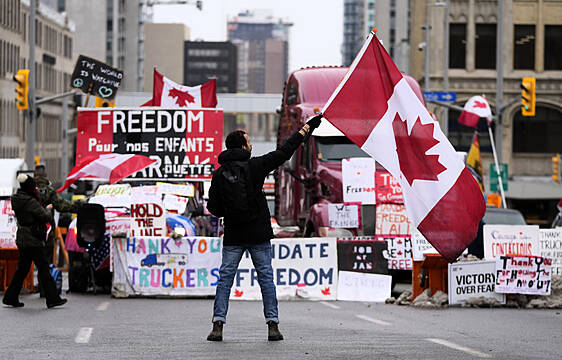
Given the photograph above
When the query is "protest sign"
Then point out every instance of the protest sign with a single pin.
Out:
(391, 219)
(184, 142)
(353, 286)
(175, 203)
(113, 189)
(551, 247)
(399, 252)
(473, 279)
(388, 189)
(148, 217)
(362, 255)
(343, 215)
(358, 180)
(94, 77)
(523, 275)
(176, 189)
(8, 225)
(303, 268)
(163, 266)
(510, 240)
(420, 246)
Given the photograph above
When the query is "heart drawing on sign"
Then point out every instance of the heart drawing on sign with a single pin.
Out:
(77, 83)
(105, 92)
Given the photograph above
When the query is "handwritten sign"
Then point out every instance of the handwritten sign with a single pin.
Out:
(511, 240)
(358, 180)
(551, 247)
(175, 203)
(353, 286)
(148, 216)
(420, 246)
(399, 252)
(523, 275)
(113, 189)
(176, 189)
(94, 77)
(391, 219)
(388, 189)
(343, 216)
(362, 255)
(8, 225)
(473, 279)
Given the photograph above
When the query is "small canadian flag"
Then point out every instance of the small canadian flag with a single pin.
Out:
(169, 94)
(475, 108)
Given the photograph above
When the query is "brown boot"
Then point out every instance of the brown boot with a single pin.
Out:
(273, 332)
(216, 333)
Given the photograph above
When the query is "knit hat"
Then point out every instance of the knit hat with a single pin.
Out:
(27, 183)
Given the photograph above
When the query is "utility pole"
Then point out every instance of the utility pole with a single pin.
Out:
(31, 129)
(499, 80)
(445, 126)
(427, 29)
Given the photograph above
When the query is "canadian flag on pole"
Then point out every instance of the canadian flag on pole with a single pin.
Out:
(169, 94)
(475, 108)
(376, 108)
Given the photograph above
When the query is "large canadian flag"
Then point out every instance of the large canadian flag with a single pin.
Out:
(475, 108)
(169, 94)
(376, 108)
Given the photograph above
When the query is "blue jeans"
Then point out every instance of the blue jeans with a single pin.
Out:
(261, 258)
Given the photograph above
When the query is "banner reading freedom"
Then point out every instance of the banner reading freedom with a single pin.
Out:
(184, 143)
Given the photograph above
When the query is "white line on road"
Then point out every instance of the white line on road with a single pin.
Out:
(83, 335)
(376, 321)
(103, 306)
(325, 303)
(459, 347)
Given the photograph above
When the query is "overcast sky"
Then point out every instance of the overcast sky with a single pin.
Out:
(315, 37)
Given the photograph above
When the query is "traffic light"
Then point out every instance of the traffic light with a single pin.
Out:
(22, 87)
(556, 168)
(528, 96)
(104, 102)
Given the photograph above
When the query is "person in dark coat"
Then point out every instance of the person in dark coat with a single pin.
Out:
(31, 236)
(255, 234)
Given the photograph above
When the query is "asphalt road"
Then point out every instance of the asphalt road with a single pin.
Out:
(101, 327)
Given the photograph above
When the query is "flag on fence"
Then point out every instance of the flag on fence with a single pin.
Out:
(474, 162)
(475, 108)
(169, 94)
(377, 109)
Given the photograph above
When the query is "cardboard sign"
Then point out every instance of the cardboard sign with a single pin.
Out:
(94, 77)
(399, 252)
(523, 275)
(391, 219)
(362, 255)
(161, 266)
(176, 189)
(388, 189)
(473, 279)
(551, 247)
(175, 203)
(148, 216)
(511, 240)
(185, 143)
(113, 189)
(343, 215)
(8, 225)
(358, 180)
(305, 268)
(354, 286)
(420, 246)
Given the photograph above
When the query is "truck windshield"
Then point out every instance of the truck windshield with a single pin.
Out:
(335, 148)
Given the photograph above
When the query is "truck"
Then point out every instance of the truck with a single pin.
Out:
(164, 260)
(312, 179)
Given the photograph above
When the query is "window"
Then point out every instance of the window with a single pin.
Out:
(461, 136)
(457, 46)
(524, 47)
(538, 134)
(485, 46)
(552, 46)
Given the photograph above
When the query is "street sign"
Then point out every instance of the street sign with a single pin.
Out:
(494, 177)
(440, 96)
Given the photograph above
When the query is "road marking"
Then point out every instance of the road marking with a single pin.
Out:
(370, 319)
(103, 306)
(325, 303)
(459, 347)
(83, 336)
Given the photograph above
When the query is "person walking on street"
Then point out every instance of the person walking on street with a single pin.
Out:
(236, 194)
(31, 235)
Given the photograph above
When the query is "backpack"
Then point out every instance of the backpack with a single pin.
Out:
(57, 277)
(236, 191)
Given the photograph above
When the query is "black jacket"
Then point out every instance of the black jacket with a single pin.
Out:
(259, 230)
(32, 219)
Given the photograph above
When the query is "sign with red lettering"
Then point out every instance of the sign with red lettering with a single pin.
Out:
(391, 219)
(358, 180)
(148, 217)
(388, 189)
(523, 275)
(185, 143)
(399, 252)
(522, 240)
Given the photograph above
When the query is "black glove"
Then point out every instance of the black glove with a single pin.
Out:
(314, 122)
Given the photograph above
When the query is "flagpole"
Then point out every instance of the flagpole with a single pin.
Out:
(497, 165)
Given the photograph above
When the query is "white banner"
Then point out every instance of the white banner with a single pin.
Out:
(353, 286)
(176, 189)
(305, 268)
(358, 180)
(511, 240)
(551, 247)
(343, 216)
(8, 225)
(523, 275)
(472, 279)
(163, 266)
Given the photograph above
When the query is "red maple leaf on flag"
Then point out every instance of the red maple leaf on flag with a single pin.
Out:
(412, 148)
(479, 104)
(238, 293)
(326, 291)
(182, 97)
